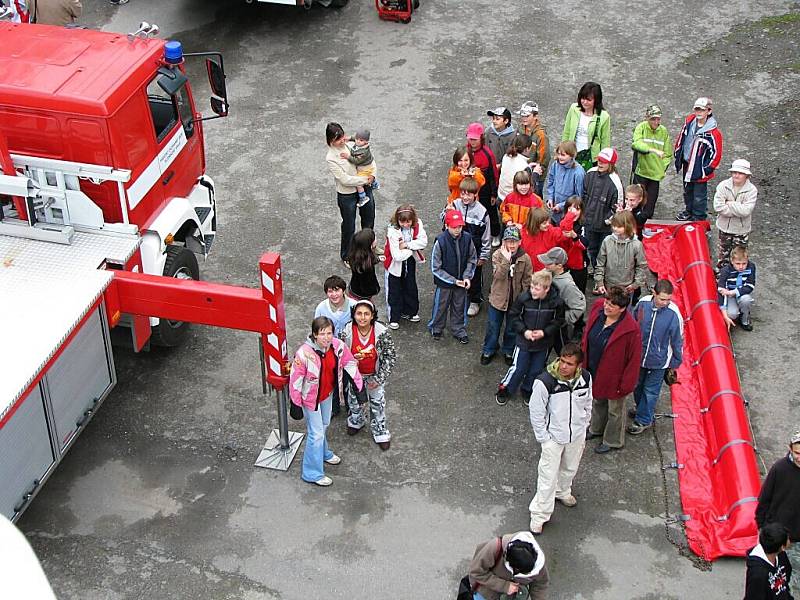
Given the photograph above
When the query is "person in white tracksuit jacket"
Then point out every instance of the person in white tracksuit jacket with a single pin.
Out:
(560, 411)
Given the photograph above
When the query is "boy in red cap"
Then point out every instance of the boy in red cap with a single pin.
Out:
(453, 263)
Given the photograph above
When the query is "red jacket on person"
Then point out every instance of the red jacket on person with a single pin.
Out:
(618, 370)
(553, 236)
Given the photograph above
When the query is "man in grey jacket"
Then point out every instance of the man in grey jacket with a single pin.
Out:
(560, 411)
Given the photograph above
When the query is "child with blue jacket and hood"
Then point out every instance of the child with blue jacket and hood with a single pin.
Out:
(564, 179)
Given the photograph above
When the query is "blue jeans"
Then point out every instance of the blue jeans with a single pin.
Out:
(523, 371)
(646, 394)
(494, 322)
(317, 450)
(347, 209)
(695, 197)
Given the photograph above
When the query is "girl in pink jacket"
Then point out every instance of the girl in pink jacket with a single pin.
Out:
(319, 365)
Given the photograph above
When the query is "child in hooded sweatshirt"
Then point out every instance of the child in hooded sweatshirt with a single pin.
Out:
(476, 219)
(503, 565)
(405, 241)
(600, 197)
(564, 179)
(621, 261)
(516, 206)
(769, 571)
(500, 133)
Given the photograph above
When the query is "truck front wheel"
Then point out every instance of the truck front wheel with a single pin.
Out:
(338, 3)
(181, 264)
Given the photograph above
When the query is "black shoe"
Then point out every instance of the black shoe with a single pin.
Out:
(526, 398)
(509, 358)
(683, 216)
(603, 449)
(591, 436)
(501, 397)
(463, 339)
(436, 335)
(632, 413)
(486, 358)
(746, 326)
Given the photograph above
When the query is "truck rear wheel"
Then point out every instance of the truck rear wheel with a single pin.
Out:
(181, 264)
(338, 3)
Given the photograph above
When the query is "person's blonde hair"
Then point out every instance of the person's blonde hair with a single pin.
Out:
(543, 278)
(536, 217)
(624, 219)
(567, 147)
(739, 252)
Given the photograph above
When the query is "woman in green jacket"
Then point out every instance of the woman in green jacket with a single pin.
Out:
(588, 124)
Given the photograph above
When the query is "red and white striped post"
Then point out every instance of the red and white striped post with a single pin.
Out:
(282, 444)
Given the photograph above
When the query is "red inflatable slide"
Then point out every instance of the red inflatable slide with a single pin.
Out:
(717, 469)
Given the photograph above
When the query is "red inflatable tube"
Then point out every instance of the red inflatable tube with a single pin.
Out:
(718, 473)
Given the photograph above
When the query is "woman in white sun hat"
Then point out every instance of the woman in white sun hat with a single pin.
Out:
(734, 202)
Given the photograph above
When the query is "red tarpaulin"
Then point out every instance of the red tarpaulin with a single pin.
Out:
(718, 477)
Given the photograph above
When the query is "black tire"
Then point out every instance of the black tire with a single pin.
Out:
(338, 3)
(182, 264)
(416, 4)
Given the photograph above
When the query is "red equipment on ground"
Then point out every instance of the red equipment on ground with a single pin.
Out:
(716, 458)
(395, 10)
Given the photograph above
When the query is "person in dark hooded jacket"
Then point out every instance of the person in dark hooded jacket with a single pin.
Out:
(768, 568)
(536, 316)
(500, 567)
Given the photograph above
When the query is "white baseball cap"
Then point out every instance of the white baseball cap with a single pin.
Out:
(740, 165)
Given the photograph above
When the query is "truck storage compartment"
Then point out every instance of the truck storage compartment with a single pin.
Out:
(25, 453)
(80, 378)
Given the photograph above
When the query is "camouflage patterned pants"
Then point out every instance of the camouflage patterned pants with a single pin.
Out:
(727, 242)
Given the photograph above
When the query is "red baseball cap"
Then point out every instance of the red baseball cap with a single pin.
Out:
(453, 218)
(608, 155)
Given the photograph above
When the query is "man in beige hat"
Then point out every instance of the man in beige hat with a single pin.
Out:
(734, 202)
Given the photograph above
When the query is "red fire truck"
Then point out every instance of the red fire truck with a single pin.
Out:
(106, 206)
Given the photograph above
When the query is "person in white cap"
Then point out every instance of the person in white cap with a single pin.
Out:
(734, 201)
(698, 152)
(530, 124)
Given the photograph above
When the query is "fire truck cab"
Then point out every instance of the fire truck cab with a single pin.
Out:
(107, 125)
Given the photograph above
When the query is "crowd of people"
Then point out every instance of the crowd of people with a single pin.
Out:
(553, 228)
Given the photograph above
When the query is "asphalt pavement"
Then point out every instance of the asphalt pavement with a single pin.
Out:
(159, 497)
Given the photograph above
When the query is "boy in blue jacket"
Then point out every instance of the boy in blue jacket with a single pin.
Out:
(453, 262)
(661, 325)
(564, 179)
(476, 223)
(736, 287)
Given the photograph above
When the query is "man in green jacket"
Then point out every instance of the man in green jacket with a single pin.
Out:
(652, 154)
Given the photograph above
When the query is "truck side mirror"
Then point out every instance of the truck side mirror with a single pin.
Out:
(220, 107)
(216, 78)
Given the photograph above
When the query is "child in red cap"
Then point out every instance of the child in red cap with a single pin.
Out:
(453, 263)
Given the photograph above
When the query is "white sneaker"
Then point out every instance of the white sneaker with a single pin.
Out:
(536, 528)
(334, 460)
(394, 325)
(324, 482)
(496, 241)
(474, 309)
(414, 319)
(568, 500)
